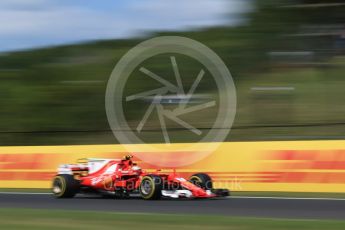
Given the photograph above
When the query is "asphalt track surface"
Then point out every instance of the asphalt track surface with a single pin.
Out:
(233, 206)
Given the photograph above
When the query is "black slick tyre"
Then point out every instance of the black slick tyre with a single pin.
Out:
(65, 186)
(202, 180)
(151, 187)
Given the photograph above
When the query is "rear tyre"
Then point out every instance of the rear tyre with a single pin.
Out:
(202, 180)
(65, 186)
(151, 187)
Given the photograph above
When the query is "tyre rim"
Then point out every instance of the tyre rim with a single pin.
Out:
(196, 182)
(57, 186)
(146, 187)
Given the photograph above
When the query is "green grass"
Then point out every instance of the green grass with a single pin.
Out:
(44, 106)
(53, 219)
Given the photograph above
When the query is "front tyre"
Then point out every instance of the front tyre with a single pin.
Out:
(151, 187)
(65, 186)
(202, 180)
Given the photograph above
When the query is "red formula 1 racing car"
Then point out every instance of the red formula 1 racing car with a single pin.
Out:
(121, 178)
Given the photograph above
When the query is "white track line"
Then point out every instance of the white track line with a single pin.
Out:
(230, 197)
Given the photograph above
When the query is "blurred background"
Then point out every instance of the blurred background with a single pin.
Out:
(287, 59)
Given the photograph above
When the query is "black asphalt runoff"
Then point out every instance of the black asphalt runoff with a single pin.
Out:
(248, 207)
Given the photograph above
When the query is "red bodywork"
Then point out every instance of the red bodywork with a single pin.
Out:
(124, 175)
